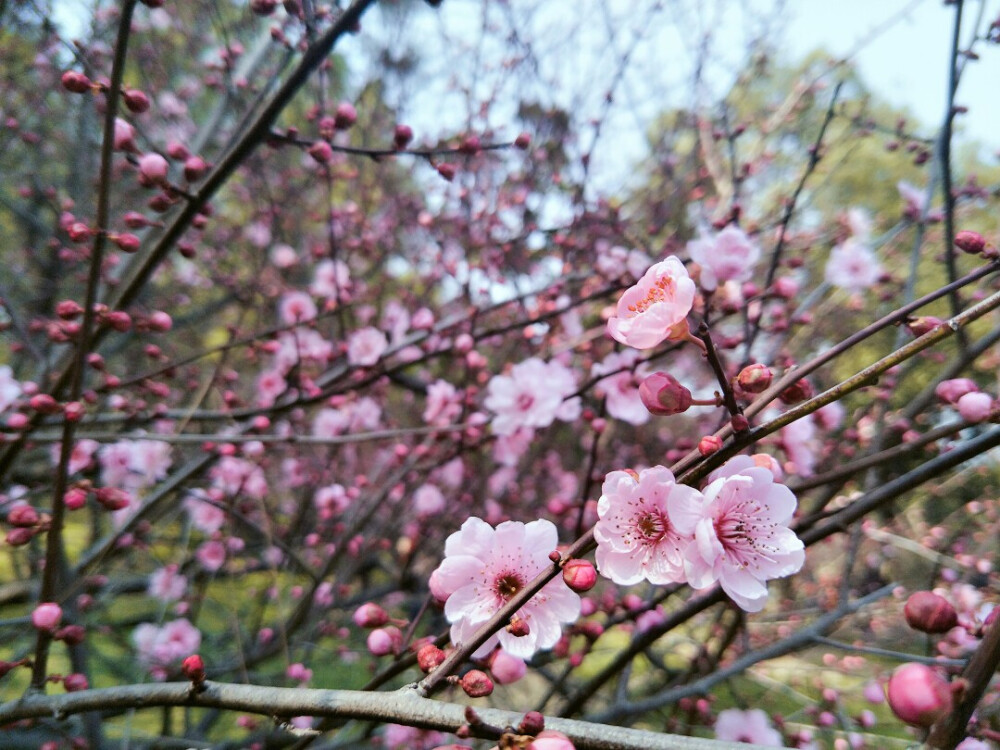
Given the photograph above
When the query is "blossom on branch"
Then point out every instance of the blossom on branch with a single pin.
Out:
(648, 312)
(533, 395)
(485, 567)
(729, 255)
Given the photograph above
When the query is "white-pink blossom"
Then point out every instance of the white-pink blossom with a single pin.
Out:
(204, 516)
(364, 347)
(741, 535)
(621, 389)
(296, 307)
(166, 645)
(443, 403)
(237, 476)
(10, 388)
(635, 537)
(428, 500)
(852, 266)
(729, 255)
(167, 584)
(331, 279)
(211, 555)
(485, 567)
(531, 396)
(752, 726)
(654, 309)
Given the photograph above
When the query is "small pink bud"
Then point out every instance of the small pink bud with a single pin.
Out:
(970, 242)
(74, 682)
(75, 498)
(23, 515)
(17, 421)
(370, 615)
(120, 320)
(344, 116)
(136, 101)
(43, 403)
(532, 723)
(709, 444)
(68, 309)
(796, 392)
(263, 7)
(471, 145)
(46, 616)
(579, 575)
(194, 168)
(786, 287)
(153, 170)
(918, 695)
(402, 136)
(429, 657)
(739, 423)
(447, 170)
(79, 232)
(124, 137)
(663, 395)
(975, 407)
(950, 391)
(929, 613)
(72, 635)
(922, 324)
(755, 378)
(518, 627)
(112, 498)
(193, 667)
(522, 141)
(74, 411)
(476, 683)
(321, 151)
(177, 151)
(506, 668)
(384, 641)
(76, 82)
(19, 536)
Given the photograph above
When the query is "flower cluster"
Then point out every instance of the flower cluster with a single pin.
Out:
(734, 532)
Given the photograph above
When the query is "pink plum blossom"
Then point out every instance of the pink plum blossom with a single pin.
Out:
(204, 516)
(647, 313)
(211, 555)
(10, 388)
(428, 500)
(729, 255)
(531, 396)
(741, 534)
(950, 391)
(296, 307)
(635, 537)
(166, 645)
(852, 266)
(621, 389)
(443, 403)
(364, 347)
(484, 567)
(167, 584)
(330, 279)
(46, 616)
(752, 726)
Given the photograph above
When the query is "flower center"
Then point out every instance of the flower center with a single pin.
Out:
(661, 290)
(652, 526)
(507, 585)
(525, 401)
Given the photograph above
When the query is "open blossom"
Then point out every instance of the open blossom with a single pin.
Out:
(635, 537)
(484, 567)
(647, 313)
(364, 347)
(729, 255)
(621, 389)
(751, 726)
(443, 403)
(531, 396)
(852, 266)
(163, 646)
(741, 534)
(10, 388)
(296, 307)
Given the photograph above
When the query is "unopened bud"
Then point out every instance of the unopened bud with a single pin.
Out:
(663, 395)
(518, 627)
(370, 615)
(532, 723)
(321, 151)
(755, 378)
(930, 613)
(709, 444)
(476, 683)
(46, 616)
(23, 516)
(798, 391)
(447, 170)
(918, 695)
(402, 136)
(345, 116)
(43, 403)
(193, 667)
(76, 82)
(922, 324)
(579, 575)
(429, 657)
(136, 101)
(970, 242)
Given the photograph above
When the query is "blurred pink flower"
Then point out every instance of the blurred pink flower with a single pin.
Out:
(729, 255)
(296, 307)
(852, 266)
(531, 396)
(163, 646)
(364, 347)
(10, 388)
(484, 567)
(635, 537)
(751, 726)
(741, 534)
(975, 407)
(167, 584)
(647, 312)
(622, 388)
(443, 403)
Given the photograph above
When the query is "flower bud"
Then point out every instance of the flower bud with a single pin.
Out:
(975, 407)
(798, 391)
(194, 168)
(970, 242)
(755, 378)
(579, 575)
(119, 320)
(532, 723)
(345, 116)
(383, 641)
(46, 616)
(74, 682)
(153, 170)
(79, 232)
(918, 695)
(370, 615)
(518, 627)
(193, 667)
(321, 151)
(75, 498)
(124, 137)
(550, 739)
(23, 515)
(75, 82)
(402, 136)
(929, 613)
(19, 536)
(522, 141)
(71, 635)
(950, 391)
(68, 309)
(922, 324)
(447, 170)
(43, 403)
(663, 395)
(709, 444)
(429, 657)
(136, 101)
(476, 683)
(112, 498)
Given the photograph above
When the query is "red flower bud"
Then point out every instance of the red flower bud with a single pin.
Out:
(46, 616)
(532, 723)
(263, 7)
(345, 116)
(579, 575)
(522, 141)
(370, 615)
(194, 168)
(796, 392)
(43, 403)
(76, 82)
(321, 151)
(194, 669)
(136, 101)
(429, 657)
(23, 515)
(918, 326)
(68, 309)
(79, 232)
(74, 682)
(119, 320)
(20, 536)
(918, 695)
(75, 498)
(755, 378)
(663, 395)
(709, 444)
(112, 498)
(71, 635)
(929, 613)
(970, 242)
(402, 136)
(476, 683)
(447, 170)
